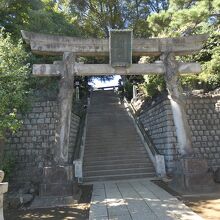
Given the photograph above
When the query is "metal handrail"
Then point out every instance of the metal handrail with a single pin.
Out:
(79, 137)
(80, 146)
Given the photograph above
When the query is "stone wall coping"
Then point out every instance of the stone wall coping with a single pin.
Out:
(3, 188)
(153, 103)
(201, 96)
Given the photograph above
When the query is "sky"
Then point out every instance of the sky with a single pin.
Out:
(97, 83)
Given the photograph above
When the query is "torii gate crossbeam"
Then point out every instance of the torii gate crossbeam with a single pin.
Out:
(107, 69)
(56, 45)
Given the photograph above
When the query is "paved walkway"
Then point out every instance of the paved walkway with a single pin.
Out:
(136, 200)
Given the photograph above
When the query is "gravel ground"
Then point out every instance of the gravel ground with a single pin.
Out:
(78, 211)
(205, 205)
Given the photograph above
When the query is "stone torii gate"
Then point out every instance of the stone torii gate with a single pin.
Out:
(70, 47)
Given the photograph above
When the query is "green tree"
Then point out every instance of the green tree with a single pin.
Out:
(211, 66)
(190, 17)
(96, 17)
(54, 19)
(13, 82)
(44, 16)
(14, 14)
(184, 18)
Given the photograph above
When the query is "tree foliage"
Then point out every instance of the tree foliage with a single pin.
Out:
(153, 85)
(96, 17)
(44, 16)
(211, 69)
(53, 20)
(183, 18)
(14, 14)
(13, 82)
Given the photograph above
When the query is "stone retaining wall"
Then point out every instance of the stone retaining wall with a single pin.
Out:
(203, 113)
(32, 147)
(157, 120)
(204, 119)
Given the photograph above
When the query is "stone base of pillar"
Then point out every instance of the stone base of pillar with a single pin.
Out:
(192, 175)
(3, 189)
(58, 181)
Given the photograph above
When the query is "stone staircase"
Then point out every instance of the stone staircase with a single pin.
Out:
(113, 148)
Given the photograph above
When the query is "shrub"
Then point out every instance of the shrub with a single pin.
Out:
(13, 82)
(153, 85)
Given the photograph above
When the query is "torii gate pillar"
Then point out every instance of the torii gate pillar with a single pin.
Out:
(66, 87)
(177, 103)
(191, 173)
(58, 180)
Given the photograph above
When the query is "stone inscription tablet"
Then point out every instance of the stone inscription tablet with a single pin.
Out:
(120, 44)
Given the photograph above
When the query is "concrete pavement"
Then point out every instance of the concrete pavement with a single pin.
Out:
(136, 200)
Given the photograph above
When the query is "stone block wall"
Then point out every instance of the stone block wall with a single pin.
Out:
(157, 120)
(32, 147)
(204, 119)
(203, 112)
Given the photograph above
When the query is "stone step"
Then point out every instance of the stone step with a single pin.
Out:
(112, 135)
(114, 141)
(131, 145)
(116, 158)
(115, 166)
(103, 114)
(115, 161)
(108, 116)
(118, 177)
(99, 123)
(118, 171)
(107, 138)
(109, 152)
(109, 157)
(120, 150)
(97, 142)
(113, 148)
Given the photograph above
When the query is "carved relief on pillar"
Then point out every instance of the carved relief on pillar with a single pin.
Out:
(171, 76)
